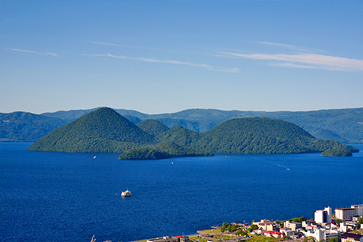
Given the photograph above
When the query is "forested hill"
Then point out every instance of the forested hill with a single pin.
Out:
(253, 136)
(152, 126)
(102, 130)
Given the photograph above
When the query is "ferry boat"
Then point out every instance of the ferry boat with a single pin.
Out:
(126, 194)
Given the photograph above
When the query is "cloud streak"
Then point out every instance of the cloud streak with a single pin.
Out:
(35, 52)
(291, 47)
(125, 46)
(305, 60)
(173, 62)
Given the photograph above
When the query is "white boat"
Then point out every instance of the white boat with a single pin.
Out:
(126, 194)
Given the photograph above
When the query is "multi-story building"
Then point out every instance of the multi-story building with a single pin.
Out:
(346, 226)
(351, 237)
(320, 234)
(287, 231)
(358, 209)
(267, 225)
(323, 216)
(293, 225)
(345, 213)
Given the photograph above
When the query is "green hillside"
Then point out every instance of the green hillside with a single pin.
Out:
(102, 130)
(163, 150)
(22, 126)
(251, 136)
(262, 136)
(179, 135)
(152, 126)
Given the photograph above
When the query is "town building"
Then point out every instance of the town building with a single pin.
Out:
(345, 213)
(323, 216)
(347, 225)
(267, 225)
(358, 209)
(287, 231)
(274, 234)
(320, 234)
(294, 226)
(350, 237)
(240, 224)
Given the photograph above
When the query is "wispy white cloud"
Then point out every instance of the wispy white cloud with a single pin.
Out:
(291, 65)
(308, 60)
(125, 46)
(174, 62)
(291, 47)
(35, 52)
(231, 70)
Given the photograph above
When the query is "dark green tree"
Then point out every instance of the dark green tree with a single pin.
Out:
(333, 239)
(309, 239)
(225, 225)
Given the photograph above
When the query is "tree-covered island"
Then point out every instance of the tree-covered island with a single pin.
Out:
(337, 152)
(162, 151)
(105, 130)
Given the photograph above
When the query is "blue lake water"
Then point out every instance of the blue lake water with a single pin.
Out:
(49, 196)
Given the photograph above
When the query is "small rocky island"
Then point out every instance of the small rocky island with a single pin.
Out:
(337, 152)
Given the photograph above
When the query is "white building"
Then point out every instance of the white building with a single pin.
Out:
(346, 226)
(358, 209)
(292, 225)
(323, 216)
(320, 234)
(345, 213)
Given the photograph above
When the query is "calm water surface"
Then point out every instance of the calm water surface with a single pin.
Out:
(71, 196)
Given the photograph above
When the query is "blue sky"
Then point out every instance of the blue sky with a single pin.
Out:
(171, 55)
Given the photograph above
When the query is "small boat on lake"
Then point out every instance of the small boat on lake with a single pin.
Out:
(127, 193)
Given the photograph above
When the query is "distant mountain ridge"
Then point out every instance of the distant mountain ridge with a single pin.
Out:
(23, 126)
(342, 125)
(105, 130)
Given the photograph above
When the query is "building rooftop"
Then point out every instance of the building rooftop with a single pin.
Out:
(274, 232)
(351, 236)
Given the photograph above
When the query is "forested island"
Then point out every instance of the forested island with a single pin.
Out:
(105, 130)
(337, 152)
(164, 150)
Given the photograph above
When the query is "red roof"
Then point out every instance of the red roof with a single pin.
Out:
(273, 232)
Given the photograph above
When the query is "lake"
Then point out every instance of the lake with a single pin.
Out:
(49, 196)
